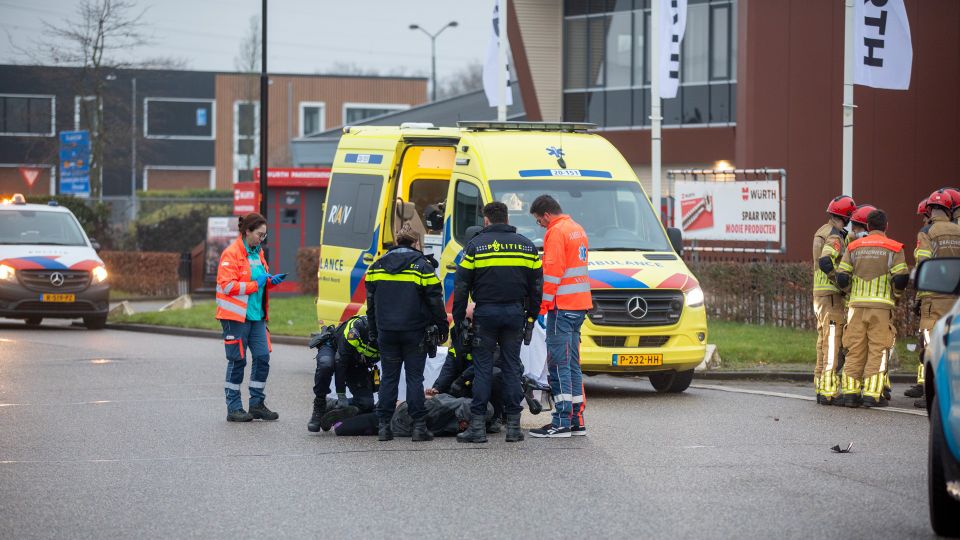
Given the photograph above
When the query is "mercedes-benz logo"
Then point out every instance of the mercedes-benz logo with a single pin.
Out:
(56, 279)
(637, 307)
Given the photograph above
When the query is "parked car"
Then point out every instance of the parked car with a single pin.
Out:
(942, 384)
(48, 266)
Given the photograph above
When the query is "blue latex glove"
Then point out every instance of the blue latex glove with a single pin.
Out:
(277, 279)
(262, 280)
(542, 322)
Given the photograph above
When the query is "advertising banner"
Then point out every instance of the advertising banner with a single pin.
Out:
(220, 232)
(75, 163)
(731, 211)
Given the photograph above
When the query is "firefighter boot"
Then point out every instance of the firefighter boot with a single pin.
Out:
(920, 403)
(420, 431)
(476, 433)
(514, 433)
(871, 402)
(914, 391)
(319, 408)
(384, 433)
(495, 426)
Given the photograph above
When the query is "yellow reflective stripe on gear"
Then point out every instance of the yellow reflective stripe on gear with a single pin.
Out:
(466, 264)
(531, 256)
(898, 268)
(409, 276)
(507, 261)
(830, 249)
(922, 254)
(845, 267)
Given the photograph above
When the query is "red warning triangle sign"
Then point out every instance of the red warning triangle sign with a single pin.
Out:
(29, 175)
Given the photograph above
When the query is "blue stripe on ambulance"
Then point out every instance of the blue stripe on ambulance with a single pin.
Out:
(372, 159)
(617, 280)
(531, 173)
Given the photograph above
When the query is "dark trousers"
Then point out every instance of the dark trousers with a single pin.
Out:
(357, 379)
(498, 324)
(401, 349)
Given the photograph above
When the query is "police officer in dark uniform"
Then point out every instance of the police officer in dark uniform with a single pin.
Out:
(502, 272)
(346, 351)
(404, 300)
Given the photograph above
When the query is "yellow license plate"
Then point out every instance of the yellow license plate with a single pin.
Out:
(58, 298)
(638, 359)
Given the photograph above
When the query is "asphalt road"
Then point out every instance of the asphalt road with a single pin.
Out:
(116, 434)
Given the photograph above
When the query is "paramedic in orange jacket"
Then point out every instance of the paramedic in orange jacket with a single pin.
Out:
(242, 282)
(566, 299)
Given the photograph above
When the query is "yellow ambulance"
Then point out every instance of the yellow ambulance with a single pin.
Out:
(648, 316)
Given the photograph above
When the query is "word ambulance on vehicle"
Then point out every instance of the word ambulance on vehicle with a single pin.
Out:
(648, 313)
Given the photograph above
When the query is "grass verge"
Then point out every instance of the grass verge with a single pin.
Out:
(290, 316)
(750, 346)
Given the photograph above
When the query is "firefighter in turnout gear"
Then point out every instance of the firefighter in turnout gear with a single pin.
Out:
(501, 270)
(939, 238)
(829, 244)
(345, 351)
(874, 269)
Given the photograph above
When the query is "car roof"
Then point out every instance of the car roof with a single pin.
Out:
(35, 208)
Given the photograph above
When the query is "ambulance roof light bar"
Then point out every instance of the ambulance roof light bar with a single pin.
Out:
(568, 127)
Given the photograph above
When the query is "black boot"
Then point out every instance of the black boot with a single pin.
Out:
(870, 402)
(851, 400)
(319, 408)
(476, 433)
(239, 415)
(514, 433)
(384, 433)
(920, 403)
(420, 431)
(914, 391)
(260, 411)
(495, 426)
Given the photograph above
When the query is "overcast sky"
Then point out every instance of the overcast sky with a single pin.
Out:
(304, 36)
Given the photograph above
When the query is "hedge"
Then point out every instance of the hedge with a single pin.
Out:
(94, 216)
(778, 294)
(143, 273)
(308, 261)
(177, 227)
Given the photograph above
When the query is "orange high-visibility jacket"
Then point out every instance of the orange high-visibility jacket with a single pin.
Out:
(234, 285)
(566, 284)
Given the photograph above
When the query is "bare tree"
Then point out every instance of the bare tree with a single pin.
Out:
(247, 63)
(99, 39)
(468, 79)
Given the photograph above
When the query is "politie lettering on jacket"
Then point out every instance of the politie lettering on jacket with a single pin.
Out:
(497, 246)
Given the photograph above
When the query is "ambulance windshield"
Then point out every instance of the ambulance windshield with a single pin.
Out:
(615, 215)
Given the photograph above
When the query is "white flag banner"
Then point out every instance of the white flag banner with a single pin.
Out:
(492, 67)
(673, 22)
(882, 50)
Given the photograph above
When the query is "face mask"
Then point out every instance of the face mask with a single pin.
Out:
(861, 234)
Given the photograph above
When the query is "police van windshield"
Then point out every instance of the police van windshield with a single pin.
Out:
(615, 215)
(39, 228)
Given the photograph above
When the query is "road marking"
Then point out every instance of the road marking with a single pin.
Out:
(103, 401)
(735, 390)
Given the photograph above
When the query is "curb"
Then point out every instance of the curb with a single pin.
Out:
(195, 332)
(707, 375)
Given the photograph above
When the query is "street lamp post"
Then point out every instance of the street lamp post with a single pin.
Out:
(433, 54)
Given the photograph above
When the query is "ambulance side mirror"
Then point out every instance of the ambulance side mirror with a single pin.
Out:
(676, 239)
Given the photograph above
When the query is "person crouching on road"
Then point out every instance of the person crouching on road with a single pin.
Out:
(344, 351)
(874, 270)
(404, 299)
(566, 300)
(242, 282)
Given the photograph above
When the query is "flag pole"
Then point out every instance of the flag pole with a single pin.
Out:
(848, 106)
(502, 79)
(655, 104)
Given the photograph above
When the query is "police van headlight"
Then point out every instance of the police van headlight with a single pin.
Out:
(99, 274)
(695, 297)
(7, 273)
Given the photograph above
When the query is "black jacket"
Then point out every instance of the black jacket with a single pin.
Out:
(403, 293)
(499, 266)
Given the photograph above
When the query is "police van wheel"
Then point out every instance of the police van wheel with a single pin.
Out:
(943, 507)
(672, 382)
(95, 322)
(33, 321)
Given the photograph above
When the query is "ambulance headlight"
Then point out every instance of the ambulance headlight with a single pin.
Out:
(7, 273)
(695, 297)
(99, 274)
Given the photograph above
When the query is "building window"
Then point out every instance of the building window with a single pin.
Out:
(246, 138)
(357, 112)
(27, 115)
(312, 117)
(85, 113)
(607, 72)
(178, 118)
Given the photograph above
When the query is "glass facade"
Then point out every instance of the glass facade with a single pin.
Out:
(606, 77)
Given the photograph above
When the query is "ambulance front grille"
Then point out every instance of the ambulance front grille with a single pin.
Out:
(647, 307)
(619, 342)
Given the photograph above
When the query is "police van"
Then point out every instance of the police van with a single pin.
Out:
(48, 266)
(648, 313)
